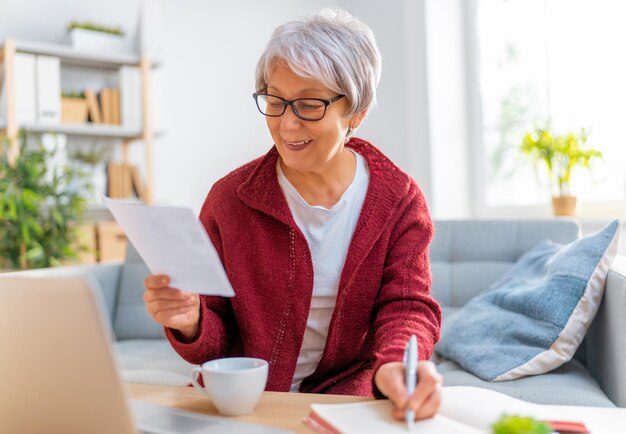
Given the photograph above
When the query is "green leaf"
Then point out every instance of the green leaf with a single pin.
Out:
(34, 254)
(56, 215)
(25, 232)
(36, 227)
(12, 210)
(560, 153)
(30, 199)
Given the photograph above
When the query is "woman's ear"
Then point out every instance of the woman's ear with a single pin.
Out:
(356, 120)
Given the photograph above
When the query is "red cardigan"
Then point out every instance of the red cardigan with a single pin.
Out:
(384, 289)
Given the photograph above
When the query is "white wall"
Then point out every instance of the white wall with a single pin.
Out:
(399, 125)
(213, 126)
(46, 20)
(210, 51)
(447, 108)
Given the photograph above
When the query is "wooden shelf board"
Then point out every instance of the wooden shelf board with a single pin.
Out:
(89, 130)
(71, 56)
(86, 130)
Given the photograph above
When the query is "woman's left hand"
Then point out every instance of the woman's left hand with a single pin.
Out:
(427, 396)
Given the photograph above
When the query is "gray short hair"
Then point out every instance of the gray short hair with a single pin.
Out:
(330, 46)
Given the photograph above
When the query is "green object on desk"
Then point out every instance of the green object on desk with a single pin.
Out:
(511, 424)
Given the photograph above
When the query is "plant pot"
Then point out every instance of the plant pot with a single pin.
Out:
(73, 110)
(564, 205)
(93, 41)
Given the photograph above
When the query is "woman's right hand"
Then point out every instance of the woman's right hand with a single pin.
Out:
(172, 307)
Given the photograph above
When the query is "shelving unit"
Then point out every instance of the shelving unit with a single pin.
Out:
(99, 61)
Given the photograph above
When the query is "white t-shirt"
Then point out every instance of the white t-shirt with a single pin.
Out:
(328, 232)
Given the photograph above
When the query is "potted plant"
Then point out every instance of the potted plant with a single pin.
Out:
(561, 154)
(73, 107)
(90, 36)
(40, 208)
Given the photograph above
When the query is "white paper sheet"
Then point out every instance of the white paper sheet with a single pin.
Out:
(172, 241)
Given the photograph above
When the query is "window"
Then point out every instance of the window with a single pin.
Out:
(557, 60)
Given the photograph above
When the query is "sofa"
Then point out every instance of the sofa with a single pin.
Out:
(466, 257)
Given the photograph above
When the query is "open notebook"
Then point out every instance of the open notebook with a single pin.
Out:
(464, 410)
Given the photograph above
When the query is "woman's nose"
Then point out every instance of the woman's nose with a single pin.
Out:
(289, 120)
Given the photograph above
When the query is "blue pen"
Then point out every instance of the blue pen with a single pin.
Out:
(410, 372)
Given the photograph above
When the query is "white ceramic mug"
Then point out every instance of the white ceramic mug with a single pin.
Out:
(234, 384)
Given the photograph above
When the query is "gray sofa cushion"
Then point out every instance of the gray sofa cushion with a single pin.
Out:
(468, 256)
(132, 320)
(570, 384)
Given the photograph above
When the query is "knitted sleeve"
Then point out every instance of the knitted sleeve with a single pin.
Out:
(404, 305)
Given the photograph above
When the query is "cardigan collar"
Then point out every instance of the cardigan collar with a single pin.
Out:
(388, 184)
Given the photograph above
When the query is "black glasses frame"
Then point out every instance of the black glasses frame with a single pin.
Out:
(291, 103)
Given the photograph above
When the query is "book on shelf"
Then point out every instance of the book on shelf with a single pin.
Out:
(127, 187)
(110, 102)
(137, 183)
(106, 105)
(463, 410)
(112, 182)
(48, 90)
(93, 106)
(124, 180)
(115, 181)
(115, 106)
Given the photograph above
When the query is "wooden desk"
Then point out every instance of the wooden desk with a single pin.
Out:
(277, 409)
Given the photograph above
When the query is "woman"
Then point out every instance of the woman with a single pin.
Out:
(324, 239)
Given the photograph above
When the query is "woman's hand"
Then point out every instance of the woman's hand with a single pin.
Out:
(172, 307)
(427, 396)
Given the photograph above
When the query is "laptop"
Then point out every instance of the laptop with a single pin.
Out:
(58, 374)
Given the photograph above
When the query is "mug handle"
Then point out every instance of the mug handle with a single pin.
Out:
(195, 373)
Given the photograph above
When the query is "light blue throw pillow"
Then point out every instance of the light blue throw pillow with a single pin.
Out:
(532, 319)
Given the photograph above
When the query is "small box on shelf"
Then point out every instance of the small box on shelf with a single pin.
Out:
(111, 241)
(73, 110)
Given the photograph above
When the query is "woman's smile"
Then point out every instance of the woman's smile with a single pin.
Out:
(297, 145)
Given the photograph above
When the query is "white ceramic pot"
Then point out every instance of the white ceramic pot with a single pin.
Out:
(89, 40)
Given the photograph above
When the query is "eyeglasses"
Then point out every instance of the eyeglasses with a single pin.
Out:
(307, 109)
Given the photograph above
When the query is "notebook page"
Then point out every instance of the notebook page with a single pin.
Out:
(479, 408)
(482, 407)
(375, 417)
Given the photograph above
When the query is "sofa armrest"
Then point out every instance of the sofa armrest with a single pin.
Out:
(107, 275)
(606, 347)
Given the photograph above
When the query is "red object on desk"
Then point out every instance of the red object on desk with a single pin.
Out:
(566, 427)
